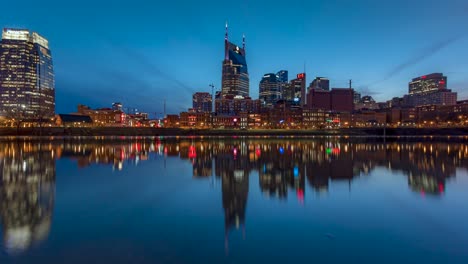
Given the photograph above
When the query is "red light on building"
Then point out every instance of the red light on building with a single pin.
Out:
(442, 82)
(192, 152)
(441, 188)
(424, 77)
(300, 195)
(301, 76)
(336, 151)
(258, 152)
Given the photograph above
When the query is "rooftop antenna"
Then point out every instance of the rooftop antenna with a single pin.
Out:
(243, 43)
(226, 43)
(350, 83)
(212, 97)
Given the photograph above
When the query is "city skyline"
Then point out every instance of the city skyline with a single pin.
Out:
(123, 58)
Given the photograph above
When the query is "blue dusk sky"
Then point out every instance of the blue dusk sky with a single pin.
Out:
(142, 52)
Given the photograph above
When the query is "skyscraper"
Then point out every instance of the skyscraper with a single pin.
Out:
(235, 75)
(283, 76)
(27, 83)
(202, 102)
(295, 93)
(269, 89)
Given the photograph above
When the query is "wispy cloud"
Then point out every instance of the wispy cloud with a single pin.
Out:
(364, 90)
(148, 65)
(420, 56)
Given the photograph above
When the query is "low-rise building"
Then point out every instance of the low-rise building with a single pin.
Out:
(69, 120)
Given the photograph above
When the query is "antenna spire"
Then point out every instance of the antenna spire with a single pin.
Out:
(226, 44)
(243, 42)
(226, 35)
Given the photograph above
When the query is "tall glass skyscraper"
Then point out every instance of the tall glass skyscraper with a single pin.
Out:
(235, 75)
(283, 76)
(27, 83)
(270, 89)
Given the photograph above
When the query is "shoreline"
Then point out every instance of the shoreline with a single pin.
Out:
(147, 131)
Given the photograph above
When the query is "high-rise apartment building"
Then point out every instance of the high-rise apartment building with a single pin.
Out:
(27, 83)
(269, 89)
(235, 75)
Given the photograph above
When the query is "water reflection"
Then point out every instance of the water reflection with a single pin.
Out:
(27, 193)
(284, 168)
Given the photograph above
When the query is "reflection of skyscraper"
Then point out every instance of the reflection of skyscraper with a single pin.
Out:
(235, 75)
(27, 193)
(27, 85)
(235, 191)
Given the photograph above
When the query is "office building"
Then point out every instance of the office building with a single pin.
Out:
(338, 99)
(202, 102)
(357, 97)
(427, 84)
(235, 105)
(429, 89)
(283, 76)
(117, 106)
(235, 75)
(342, 99)
(27, 83)
(321, 83)
(269, 90)
(295, 92)
(439, 97)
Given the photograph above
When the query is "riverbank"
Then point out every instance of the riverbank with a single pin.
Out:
(146, 131)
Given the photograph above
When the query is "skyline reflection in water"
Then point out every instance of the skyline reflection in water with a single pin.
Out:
(286, 170)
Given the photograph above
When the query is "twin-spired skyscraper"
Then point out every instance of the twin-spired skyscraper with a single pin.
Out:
(27, 83)
(235, 76)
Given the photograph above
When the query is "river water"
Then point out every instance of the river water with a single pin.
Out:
(234, 200)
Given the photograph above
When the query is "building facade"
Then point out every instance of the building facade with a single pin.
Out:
(235, 74)
(27, 82)
(269, 90)
(202, 102)
(235, 105)
(438, 97)
(427, 84)
(338, 99)
(321, 83)
(342, 99)
(295, 92)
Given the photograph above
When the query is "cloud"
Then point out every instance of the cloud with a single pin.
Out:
(148, 65)
(364, 90)
(420, 56)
